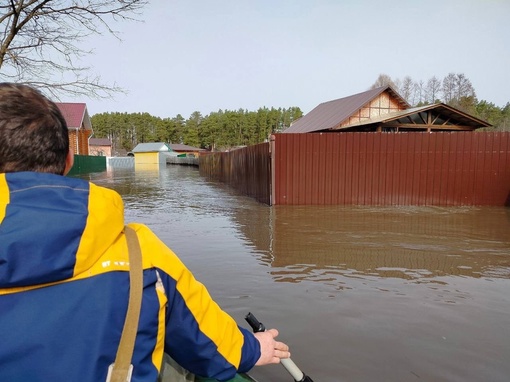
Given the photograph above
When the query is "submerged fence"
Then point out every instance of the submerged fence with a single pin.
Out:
(84, 164)
(246, 169)
(436, 169)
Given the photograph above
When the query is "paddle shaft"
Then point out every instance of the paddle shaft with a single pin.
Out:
(287, 363)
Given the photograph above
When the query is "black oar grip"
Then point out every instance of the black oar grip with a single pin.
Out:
(255, 324)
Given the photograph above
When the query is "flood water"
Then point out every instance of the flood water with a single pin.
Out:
(359, 293)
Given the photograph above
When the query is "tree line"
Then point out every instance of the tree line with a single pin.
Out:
(226, 129)
(455, 90)
(219, 130)
(42, 45)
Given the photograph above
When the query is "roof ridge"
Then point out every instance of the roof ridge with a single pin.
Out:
(382, 88)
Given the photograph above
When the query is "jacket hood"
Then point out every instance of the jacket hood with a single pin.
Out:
(52, 227)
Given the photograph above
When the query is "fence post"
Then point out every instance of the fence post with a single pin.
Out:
(272, 191)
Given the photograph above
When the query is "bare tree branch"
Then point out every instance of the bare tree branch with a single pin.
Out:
(41, 42)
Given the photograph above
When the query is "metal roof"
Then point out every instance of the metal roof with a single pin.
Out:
(75, 114)
(150, 147)
(99, 142)
(331, 114)
(181, 147)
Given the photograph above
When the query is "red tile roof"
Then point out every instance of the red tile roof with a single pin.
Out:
(74, 114)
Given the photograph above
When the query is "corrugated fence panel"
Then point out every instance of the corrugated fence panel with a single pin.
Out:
(85, 164)
(441, 169)
(478, 190)
(505, 162)
(246, 169)
(416, 171)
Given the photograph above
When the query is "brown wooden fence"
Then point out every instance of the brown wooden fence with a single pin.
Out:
(436, 169)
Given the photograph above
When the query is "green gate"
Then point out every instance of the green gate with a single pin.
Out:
(84, 164)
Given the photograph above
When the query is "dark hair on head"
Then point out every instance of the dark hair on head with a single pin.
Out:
(33, 132)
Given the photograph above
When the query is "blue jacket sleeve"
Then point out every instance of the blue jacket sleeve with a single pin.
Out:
(197, 333)
(200, 336)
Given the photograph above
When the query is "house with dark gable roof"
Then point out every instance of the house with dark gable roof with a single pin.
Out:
(383, 109)
(100, 147)
(79, 126)
(185, 150)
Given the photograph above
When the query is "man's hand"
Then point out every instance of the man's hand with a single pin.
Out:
(271, 351)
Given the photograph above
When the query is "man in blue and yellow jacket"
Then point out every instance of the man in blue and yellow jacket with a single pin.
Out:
(64, 272)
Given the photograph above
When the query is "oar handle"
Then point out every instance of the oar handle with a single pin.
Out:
(287, 363)
(255, 324)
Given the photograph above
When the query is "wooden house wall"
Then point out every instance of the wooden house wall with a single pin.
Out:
(73, 141)
(83, 141)
(438, 169)
(79, 141)
(383, 104)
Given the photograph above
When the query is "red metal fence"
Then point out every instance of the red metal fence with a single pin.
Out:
(440, 169)
(434, 169)
(246, 169)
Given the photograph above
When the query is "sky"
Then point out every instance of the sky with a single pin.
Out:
(203, 55)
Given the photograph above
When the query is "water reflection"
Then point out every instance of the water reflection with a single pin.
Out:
(163, 190)
(329, 243)
(414, 243)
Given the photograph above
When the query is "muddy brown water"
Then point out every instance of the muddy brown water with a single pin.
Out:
(359, 293)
